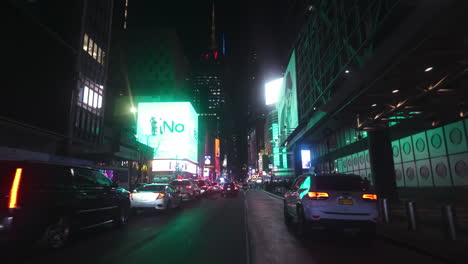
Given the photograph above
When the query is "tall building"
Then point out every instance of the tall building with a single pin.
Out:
(208, 97)
(58, 60)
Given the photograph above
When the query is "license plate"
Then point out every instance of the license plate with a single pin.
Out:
(345, 201)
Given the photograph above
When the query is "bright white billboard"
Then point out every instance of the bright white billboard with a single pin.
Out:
(171, 129)
(272, 91)
(174, 165)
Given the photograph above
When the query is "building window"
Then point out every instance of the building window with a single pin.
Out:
(85, 42)
(90, 97)
(93, 49)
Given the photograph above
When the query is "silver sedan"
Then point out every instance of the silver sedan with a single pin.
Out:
(155, 196)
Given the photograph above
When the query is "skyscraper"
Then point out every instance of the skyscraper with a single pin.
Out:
(208, 97)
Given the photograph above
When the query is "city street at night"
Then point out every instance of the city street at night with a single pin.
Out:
(214, 230)
(234, 132)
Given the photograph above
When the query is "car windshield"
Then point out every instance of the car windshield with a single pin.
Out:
(340, 183)
(152, 188)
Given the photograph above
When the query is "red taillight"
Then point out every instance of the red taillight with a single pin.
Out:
(131, 196)
(160, 196)
(369, 196)
(14, 189)
(189, 187)
(318, 195)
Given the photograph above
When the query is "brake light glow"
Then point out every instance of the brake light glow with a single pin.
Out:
(189, 187)
(14, 189)
(369, 196)
(318, 195)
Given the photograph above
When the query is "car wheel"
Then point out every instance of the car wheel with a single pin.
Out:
(287, 216)
(56, 234)
(301, 224)
(122, 218)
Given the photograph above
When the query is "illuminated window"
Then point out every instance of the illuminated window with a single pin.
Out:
(95, 49)
(91, 98)
(85, 42)
(90, 47)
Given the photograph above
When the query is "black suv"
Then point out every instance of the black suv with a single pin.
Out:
(45, 203)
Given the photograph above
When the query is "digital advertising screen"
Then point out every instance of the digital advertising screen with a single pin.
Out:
(305, 157)
(170, 128)
(288, 117)
(217, 156)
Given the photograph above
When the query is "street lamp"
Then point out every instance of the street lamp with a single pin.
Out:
(133, 109)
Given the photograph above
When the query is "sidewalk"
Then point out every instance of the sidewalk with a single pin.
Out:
(429, 238)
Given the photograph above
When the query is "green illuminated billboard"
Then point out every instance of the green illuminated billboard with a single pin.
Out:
(170, 128)
(288, 117)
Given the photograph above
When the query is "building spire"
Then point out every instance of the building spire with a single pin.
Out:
(213, 36)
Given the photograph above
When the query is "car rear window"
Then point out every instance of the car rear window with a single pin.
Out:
(181, 183)
(341, 183)
(32, 175)
(152, 188)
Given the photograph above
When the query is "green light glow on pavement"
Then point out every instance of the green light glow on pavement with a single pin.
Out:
(170, 128)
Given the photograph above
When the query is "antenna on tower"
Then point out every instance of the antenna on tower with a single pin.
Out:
(213, 29)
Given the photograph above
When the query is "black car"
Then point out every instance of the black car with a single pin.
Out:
(46, 203)
(230, 189)
(204, 187)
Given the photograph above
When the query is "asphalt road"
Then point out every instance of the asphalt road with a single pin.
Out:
(214, 230)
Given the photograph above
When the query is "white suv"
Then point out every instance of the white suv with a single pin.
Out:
(331, 200)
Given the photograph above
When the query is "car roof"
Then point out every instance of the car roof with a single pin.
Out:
(44, 163)
(153, 184)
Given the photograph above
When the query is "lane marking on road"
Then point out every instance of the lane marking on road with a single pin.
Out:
(247, 239)
(274, 195)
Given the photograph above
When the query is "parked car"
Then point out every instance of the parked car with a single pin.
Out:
(188, 190)
(156, 197)
(230, 189)
(46, 203)
(332, 201)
